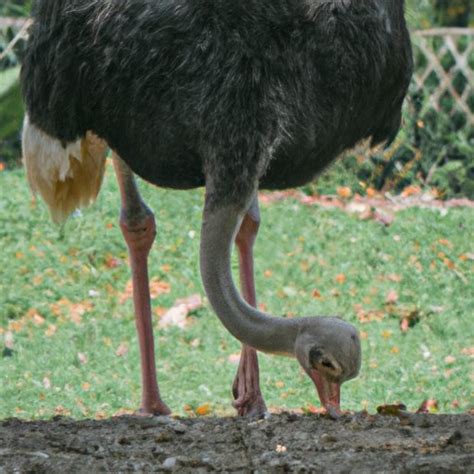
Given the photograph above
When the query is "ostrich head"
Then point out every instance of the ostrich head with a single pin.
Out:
(328, 349)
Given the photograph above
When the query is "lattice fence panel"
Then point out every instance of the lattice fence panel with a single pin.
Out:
(444, 69)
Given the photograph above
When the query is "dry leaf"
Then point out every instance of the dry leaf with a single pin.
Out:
(450, 360)
(46, 383)
(112, 262)
(404, 325)
(82, 358)
(411, 191)
(391, 410)
(428, 406)
(157, 287)
(468, 351)
(392, 297)
(314, 410)
(383, 218)
(51, 330)
(316, 294)
(122, 349)
(341, 278)
(234, 358)
(177, 314)
(203, 410)
(344, 192)
(9, 340)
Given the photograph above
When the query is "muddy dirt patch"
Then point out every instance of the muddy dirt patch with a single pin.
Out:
(282, 443)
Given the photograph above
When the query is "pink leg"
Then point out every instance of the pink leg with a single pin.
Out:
(246, 388)
(138, 227)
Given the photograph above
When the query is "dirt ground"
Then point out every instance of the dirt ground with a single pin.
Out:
(283, 443)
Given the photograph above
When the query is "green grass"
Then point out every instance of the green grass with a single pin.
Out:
(300, 249)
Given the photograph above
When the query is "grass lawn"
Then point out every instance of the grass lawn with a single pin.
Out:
(67, 331)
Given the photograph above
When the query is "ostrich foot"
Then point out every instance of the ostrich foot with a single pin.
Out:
(248, 399)
(156, 408)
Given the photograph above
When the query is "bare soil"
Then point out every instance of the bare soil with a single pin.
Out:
(283, 443)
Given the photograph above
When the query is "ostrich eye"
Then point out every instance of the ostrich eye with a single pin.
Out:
(328, 364)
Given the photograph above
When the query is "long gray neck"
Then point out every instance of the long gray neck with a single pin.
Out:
(250, 326)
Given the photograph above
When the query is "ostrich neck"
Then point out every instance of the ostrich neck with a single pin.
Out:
(250, 326)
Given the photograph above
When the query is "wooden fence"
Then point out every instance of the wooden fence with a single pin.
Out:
(444, 69)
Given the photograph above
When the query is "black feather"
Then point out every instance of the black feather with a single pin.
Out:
(237, 92)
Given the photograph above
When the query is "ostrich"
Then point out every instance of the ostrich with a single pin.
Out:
(233, 96)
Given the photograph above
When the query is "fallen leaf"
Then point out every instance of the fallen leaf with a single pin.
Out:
(316, 294)
(177, 314)
(82, 358)
(112, 262)
(393, 277)
(61, 411)
(9, 340)
(86, 386)
(234, 358)
(411, 191)
(279, 384)
(46, 383)
(344, 192)
(392, 410)
(195, 343)
(267, 273)
(383, 218)
(51, 330)
(395, 350)
(468, 351)
(392, 297)
(157, 287)
(445, 243)
(409, 318)
(314, 410)
(387, 334)
(450, 359)
(341, 278)
(122, 349)
(404, 325)
(428, 406)
(203, 410)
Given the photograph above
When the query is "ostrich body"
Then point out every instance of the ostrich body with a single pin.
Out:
(233, 96)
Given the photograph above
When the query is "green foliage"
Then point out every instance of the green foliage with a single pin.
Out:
(15, 8)
(11, 111)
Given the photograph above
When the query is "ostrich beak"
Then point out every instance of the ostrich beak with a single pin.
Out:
(329, 393)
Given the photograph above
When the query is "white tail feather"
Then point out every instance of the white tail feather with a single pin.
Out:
(66, 177)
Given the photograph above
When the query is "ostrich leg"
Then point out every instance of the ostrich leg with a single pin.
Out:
(138, 227)
(246, 387)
